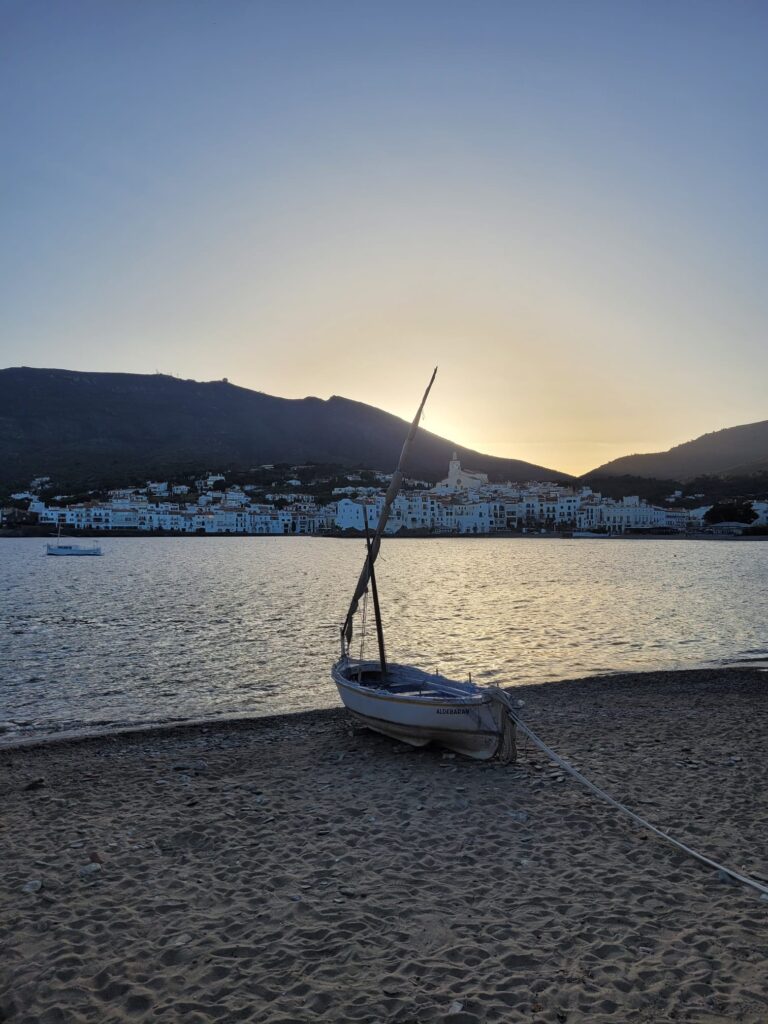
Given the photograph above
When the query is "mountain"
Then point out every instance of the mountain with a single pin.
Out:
(733, 451)
(107, 428)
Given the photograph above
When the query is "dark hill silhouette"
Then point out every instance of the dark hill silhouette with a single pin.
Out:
(106, 428)
(734, 451)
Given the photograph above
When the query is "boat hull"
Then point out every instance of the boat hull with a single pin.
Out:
(59, 551)
(468, 722)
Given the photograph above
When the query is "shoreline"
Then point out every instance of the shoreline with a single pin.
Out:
(243, 722)
(291, 869)
(21, 533)
(186, 728)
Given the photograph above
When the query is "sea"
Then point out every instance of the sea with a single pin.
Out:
(163, 630)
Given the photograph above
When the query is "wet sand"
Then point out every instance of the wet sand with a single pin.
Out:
(292, 870)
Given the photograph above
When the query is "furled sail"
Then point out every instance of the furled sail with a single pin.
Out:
(392, 490)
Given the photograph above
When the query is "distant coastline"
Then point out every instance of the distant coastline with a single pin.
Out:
(40, 533)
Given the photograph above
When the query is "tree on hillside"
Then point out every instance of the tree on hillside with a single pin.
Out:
(731, 512)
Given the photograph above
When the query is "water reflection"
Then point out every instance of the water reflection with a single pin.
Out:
(181, 628)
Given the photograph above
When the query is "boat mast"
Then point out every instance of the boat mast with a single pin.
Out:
(375, 594)
(392, 490)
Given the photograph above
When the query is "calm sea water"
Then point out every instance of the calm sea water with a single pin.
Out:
(170, 629)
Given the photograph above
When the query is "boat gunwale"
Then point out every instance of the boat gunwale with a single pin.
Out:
(69, 547)
(425, 700)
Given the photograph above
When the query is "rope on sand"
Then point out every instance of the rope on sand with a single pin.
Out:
(505, 699)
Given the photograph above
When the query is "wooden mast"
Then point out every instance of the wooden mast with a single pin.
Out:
(392, 490)
(375, 594)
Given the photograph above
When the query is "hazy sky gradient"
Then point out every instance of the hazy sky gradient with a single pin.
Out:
(563, 204)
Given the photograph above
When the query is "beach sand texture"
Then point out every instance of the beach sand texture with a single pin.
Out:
(292, 870)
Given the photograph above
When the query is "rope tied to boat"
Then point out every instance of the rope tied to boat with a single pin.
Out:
(507, 752)
(504, 698)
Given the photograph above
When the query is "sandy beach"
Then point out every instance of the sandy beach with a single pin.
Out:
(292, 870)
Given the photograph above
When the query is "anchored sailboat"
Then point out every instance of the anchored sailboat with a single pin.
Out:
(70, 549)
(406, 702)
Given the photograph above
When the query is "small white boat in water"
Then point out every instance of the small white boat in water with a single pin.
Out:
(403, 701)
(70, 549)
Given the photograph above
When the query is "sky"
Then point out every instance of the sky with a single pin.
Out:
(562, 204)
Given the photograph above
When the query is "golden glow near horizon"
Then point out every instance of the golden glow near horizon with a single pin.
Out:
(456, 417)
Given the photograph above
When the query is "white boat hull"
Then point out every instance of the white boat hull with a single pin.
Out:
(420, 708)
(70, 549)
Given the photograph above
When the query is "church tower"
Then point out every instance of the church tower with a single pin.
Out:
(454, 472)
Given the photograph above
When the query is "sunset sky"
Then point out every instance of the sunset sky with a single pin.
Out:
(563, 204)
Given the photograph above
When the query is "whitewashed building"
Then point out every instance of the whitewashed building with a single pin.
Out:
(459, 479)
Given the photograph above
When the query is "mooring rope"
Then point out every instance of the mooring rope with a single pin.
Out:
(507, 751)
(505, 699)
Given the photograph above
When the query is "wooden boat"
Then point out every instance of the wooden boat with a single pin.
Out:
(420, 708)
(406, 702)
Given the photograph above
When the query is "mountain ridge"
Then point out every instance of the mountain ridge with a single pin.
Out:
(82, 426)
(740, 450)
(86, 427)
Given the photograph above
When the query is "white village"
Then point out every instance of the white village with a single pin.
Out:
(464, 503)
